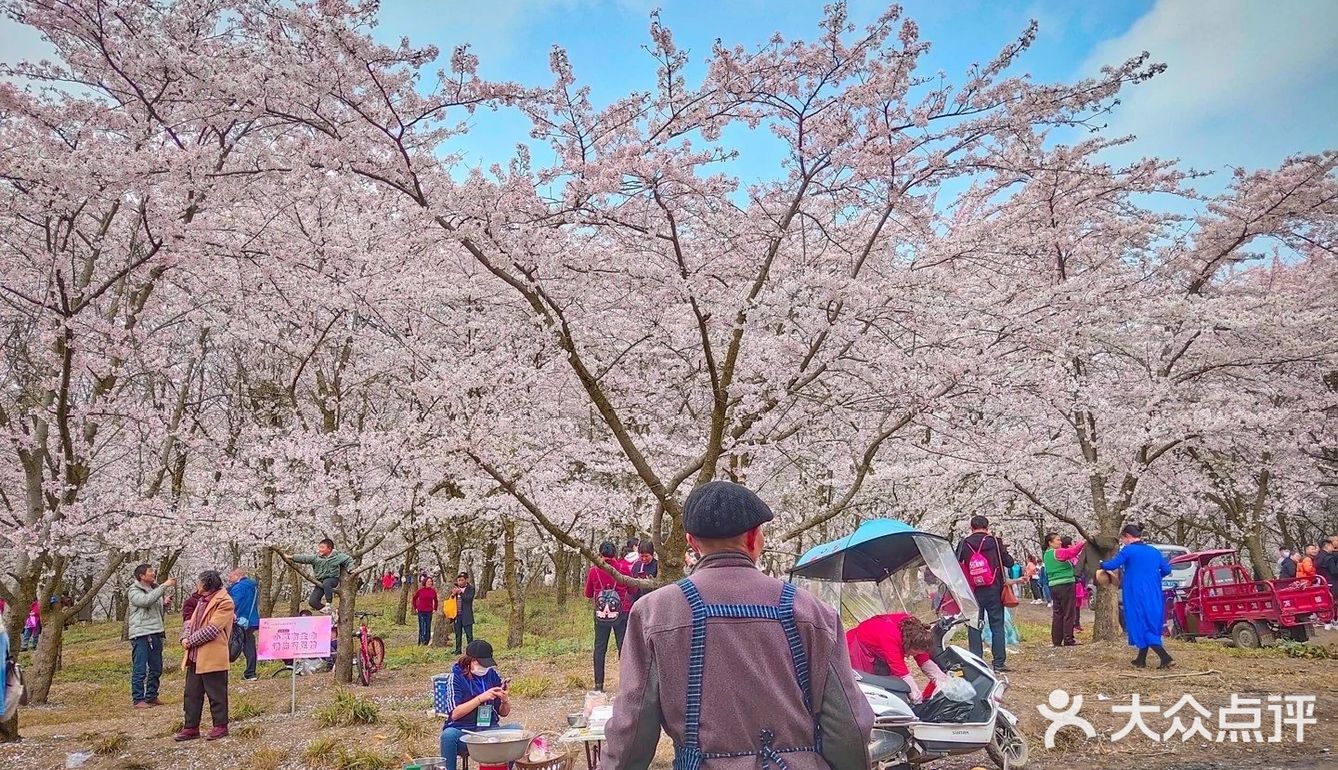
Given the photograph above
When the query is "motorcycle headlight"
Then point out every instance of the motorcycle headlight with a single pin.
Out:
(999, 689)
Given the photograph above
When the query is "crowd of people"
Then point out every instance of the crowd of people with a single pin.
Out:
(660, 634)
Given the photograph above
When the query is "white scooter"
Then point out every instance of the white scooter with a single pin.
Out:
(888, 566)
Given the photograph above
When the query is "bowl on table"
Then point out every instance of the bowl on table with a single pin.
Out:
(495, 747)
(576, 720)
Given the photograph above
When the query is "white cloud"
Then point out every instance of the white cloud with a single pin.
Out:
(1248, 82)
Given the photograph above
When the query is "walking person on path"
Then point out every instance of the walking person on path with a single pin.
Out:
(425, 604)
(777, 686)
(1062, 576)
(147, 631)
(464, 610)
(984, 559)
(612, 602)
(246, 599)
(205, 640)
(1144, 609)
(325, 565)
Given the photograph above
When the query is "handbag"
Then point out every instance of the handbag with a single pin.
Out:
(236, 642)
(1006, 595)
(449, 608)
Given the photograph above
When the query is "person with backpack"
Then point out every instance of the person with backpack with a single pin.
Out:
(985, 561)
(612, 602)
(246, 598)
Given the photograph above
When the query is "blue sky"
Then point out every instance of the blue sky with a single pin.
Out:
(1249, 81)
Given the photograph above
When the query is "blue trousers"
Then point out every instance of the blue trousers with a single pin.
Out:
(424, 627)
(992, 612)
(146, 666)
(451, 743)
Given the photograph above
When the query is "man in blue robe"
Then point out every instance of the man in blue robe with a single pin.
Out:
(1144, 606)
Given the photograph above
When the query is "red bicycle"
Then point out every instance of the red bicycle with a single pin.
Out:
(371, 656)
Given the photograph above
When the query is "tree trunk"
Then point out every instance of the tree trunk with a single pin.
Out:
(561, 560)
(347, 592)
(46, 660)
(265, 580)
(489, 570)
(402, 608)
(120, 606)
(1106, 627)
(515, 593)
(295, 586)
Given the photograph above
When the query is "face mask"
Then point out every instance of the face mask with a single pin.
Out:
(479, 670)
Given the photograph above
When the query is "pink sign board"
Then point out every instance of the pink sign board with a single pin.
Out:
(300, 637)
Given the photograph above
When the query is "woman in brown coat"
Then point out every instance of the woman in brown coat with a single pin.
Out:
(205, 640)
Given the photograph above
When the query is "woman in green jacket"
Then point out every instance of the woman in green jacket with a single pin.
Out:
(1061, 575)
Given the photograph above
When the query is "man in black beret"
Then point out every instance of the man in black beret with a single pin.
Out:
(766, 661)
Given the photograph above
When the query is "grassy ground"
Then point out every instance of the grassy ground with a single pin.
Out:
(90, 709)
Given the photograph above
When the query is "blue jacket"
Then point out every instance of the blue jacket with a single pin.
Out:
(247, 602)
(465, 687)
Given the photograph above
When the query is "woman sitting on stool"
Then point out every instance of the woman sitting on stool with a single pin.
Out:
(475, 699)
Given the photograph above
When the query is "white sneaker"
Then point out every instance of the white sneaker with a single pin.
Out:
(326, 610)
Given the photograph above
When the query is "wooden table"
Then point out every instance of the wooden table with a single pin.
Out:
(593, 739)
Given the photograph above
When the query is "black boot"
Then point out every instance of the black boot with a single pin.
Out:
(1166, 661)
(1142, 660)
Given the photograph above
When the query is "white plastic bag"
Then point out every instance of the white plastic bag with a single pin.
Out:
(957, 689)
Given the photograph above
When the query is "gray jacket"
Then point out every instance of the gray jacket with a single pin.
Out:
(749, 683)
(145, 612)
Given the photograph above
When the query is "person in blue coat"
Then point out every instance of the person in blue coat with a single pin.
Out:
(246, 598)
(1144, 607)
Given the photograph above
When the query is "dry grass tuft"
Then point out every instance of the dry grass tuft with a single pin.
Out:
(108, 745)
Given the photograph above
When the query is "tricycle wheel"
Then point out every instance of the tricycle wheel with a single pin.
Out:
(1244, 635)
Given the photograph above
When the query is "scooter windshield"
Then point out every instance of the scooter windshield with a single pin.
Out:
(929, 585)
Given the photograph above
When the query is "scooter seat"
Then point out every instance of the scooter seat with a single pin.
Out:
(892, 684)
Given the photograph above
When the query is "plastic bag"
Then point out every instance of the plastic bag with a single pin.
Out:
(593, 700)
(957, 689)
(942, 709)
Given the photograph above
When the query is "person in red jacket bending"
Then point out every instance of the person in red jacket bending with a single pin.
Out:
(612, 601)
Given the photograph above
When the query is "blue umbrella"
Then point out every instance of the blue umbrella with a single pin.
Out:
(872, 552)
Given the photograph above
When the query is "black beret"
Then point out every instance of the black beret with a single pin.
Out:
(722, 509)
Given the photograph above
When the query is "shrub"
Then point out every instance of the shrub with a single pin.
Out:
(347, 710)
(250, 732)
(265, 758)
(577, 682)
(531, 686)
(111, 744)
(244, 709)
(408, 731)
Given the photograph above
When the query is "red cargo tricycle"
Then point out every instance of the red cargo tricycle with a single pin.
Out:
(1224, 600)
